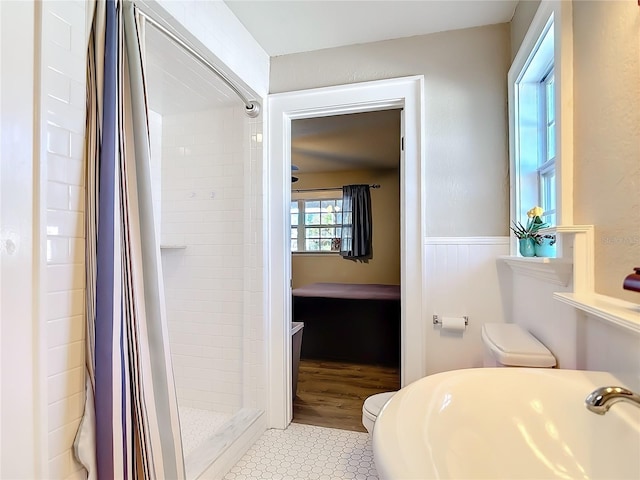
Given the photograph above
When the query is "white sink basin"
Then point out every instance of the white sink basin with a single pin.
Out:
(506, 423)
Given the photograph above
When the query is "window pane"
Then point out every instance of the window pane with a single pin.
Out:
(327, 205)
(327, 232)
(550, 115)
(312, 245)
(312, 219)
(316, 225)
(328, 219)
(548, 193)
(312, 206)
(550, 94)
(551, 141)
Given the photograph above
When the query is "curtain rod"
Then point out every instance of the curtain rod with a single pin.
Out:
(374, 185)
(252, 107)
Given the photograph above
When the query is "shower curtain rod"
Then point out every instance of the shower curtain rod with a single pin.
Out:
(374, 185)
(252, 107)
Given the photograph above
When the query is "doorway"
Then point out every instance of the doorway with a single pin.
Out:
(348, 310)
(405, 94)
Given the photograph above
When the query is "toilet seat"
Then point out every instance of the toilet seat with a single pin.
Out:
(371, 408)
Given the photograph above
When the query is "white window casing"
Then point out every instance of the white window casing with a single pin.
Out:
(549, 41)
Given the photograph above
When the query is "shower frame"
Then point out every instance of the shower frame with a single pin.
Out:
(246, 426)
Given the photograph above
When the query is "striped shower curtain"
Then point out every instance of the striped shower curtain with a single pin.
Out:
(130, 427)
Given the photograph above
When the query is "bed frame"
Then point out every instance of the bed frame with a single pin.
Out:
(356, 323)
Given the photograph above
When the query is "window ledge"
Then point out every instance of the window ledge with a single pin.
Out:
(552, 270)
(619, 312)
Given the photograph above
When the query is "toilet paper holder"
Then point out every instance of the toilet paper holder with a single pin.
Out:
(437, 321)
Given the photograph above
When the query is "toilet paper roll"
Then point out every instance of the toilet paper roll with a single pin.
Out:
(453, 324)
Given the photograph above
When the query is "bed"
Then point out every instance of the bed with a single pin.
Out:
(356, 323)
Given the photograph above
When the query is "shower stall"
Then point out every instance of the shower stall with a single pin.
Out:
(206, 156)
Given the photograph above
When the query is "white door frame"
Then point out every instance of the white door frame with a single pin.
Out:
(405, 93)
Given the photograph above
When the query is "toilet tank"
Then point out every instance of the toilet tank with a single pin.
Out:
(510, 345)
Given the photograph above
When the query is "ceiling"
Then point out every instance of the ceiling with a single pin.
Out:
(284, 27)
(356, 141)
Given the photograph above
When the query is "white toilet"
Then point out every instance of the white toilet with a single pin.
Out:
(505, 345)
(510, 345)
(371, 408)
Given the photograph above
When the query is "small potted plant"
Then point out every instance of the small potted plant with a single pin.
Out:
(527, 234)
(545, 245)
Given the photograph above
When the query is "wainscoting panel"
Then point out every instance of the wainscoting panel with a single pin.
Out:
(461, 278)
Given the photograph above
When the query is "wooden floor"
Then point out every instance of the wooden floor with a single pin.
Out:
(330, 394)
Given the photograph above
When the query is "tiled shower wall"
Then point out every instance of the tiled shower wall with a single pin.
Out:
(63, 115)
(254, 345)
(211, 235)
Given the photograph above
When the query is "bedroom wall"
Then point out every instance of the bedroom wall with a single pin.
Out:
(384, 267)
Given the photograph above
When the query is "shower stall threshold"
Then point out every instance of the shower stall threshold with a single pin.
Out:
(218, 453)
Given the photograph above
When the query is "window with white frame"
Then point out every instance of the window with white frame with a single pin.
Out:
(547, 155)
(316, 225)
(535, 130)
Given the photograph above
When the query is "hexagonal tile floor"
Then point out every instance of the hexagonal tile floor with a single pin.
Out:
(307, 452)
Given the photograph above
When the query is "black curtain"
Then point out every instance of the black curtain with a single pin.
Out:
(357, 227)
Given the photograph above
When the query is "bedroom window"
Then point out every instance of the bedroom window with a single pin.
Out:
(316, 225)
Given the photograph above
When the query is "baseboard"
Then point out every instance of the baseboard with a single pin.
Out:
(214, 458)
(251, 424)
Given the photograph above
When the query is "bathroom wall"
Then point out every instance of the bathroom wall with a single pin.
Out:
(155, 150)
(62, 106)
(384, 267)
(42, 314)
(254, 326)
(524, 13)
(203, 211)
(461, 277)
(214, 26)
(607, 136)
(606, 168)
(22, 417)
(466, 177)
(555, 324)
(466, 190)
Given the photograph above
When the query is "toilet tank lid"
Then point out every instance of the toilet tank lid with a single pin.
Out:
(513, 346)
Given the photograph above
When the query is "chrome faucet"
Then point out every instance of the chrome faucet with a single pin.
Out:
(600, 400)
